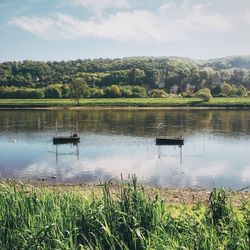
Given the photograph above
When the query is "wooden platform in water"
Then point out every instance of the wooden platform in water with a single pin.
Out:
(169, 141)
(74, 139)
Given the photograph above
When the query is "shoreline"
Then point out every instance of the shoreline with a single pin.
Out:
(170, 195)
(124, 108)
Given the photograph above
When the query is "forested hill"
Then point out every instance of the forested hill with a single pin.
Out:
(241, 62)
(133, 76)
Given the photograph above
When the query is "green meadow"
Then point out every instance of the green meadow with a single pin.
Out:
(129, 102)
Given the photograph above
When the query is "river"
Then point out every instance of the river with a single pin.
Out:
(114, 142)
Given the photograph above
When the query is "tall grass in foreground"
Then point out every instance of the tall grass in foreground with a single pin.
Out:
(32, 218)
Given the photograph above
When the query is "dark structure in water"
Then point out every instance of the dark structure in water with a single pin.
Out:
(169, 141)
(74, 138)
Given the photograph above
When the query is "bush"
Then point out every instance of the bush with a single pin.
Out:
(159, 93)
(126, 91)
(138, 91)
(113, 91)
(221, 95)
(65, 91)
(37, 94)
(241, 91)
(187, 94)
(23, 93)
(216, 90)
(53, 92)
(96, 92)
(226, 89)
(204, 94)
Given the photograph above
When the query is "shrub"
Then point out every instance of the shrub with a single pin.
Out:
(226, 89)
(138, 91)
(159, 93)
(241, 91)
(187, 94)
(204, 94)
(37, 94)
(113, 91)
(25, 93)
(221, 95)
(65, 91)
(126, 91)
(96, 92)
(53, 92)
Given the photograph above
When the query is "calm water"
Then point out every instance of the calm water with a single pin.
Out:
(215, 153)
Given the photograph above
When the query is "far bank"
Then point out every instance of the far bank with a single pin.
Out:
(128, 103)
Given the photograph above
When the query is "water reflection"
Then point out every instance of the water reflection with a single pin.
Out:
(113, 142)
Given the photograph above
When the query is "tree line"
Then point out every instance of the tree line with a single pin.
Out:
(126, 77)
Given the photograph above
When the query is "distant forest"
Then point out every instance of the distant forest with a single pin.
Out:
(126, 77)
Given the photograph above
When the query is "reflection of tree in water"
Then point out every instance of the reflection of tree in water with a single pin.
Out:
(129, 122)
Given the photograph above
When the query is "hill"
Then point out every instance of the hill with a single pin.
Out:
(141, 75)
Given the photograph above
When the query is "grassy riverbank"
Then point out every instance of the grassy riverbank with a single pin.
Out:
(124, 217)
(127, 102)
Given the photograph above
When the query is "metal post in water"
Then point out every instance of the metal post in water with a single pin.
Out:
(181, 155)
(56, 155)
(56, 127)
(77, 151)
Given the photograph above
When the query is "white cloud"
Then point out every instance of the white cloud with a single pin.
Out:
(35, 25)
(166, 171)
(209, 171)
(38, 170)
(98, 6)
(245, 174)
(170, 23)
(247, 17)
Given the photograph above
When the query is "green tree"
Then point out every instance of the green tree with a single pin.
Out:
(113, 91)
(241, 91)
(65, 91)
(138, 91)
(53, 91)
(226, 88)
(126, 91)
(136, 75)
(96, 92)
(79, 89)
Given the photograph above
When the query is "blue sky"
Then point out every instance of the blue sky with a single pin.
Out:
(72, 29)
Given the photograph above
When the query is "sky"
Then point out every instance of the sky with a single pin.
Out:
(54, 30)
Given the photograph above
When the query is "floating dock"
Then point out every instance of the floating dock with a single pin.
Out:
(74, 139)
(169, 141)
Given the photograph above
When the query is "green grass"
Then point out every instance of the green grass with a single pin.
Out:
(130, 102)
(45, 218)
(230, 101)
